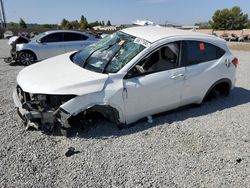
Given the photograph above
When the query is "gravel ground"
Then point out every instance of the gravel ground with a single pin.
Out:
(207, 146)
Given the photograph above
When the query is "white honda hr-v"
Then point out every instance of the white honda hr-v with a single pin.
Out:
(126, 76)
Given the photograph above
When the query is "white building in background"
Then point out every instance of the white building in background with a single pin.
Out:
(143, 22)
(105, 28)
(189, 27)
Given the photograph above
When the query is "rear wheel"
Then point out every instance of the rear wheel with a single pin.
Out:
(219, 89)
(26, 58)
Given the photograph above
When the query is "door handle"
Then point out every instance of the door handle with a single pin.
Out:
(177, 76)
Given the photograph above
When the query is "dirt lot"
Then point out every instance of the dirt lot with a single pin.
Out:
(243, 46)
(208, 146)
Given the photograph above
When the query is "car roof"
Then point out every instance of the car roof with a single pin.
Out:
(155, 33)
(64, 31)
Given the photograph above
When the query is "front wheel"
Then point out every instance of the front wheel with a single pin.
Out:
(26, 58)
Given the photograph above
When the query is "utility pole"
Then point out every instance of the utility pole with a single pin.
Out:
(3, 14)
(2, 19)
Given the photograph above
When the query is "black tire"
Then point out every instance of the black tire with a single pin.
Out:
(26, 58)
(220, 88)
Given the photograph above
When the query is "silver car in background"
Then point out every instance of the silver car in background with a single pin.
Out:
(8, 34)
(49, 44)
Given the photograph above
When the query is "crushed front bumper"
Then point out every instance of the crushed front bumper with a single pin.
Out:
(32, 115)
(23, 113)
(13, 54)
(42, 119)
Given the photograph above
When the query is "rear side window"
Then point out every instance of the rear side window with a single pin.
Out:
(220, 52)
(74, 37)
(201, 52)
(55, 37)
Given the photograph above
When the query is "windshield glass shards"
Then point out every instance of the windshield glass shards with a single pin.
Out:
(109, 54)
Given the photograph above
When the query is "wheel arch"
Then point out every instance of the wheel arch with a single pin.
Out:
(80, 104)
(225, 81)
(28, 50)
(109, 112)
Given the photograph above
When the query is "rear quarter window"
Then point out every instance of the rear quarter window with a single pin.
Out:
(201, 52)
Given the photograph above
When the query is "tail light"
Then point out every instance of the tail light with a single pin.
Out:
(235, 61)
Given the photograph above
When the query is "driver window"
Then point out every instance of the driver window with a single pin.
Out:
(165, 58)
(54, 37)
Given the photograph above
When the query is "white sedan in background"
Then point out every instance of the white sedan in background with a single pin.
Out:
(8, 34)
(49, 44)
(126, 76)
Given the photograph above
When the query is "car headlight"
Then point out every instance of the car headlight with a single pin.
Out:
(19, 47)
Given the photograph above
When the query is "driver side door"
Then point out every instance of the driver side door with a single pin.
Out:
(51, 45)
(154, 85)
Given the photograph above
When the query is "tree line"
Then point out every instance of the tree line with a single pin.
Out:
(65, 24)
(82, 24)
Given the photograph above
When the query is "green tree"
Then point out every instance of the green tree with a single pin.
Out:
(22, 24)
(108, 23)
(232, 18)
(12, 25)
(248, 24)
(75, 24)
(69, 26)
(64, 23)
(103, 24)
(83, 23)
(93, 24)
(48, 26)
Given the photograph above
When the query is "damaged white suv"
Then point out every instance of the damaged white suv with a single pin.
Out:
(129, 75)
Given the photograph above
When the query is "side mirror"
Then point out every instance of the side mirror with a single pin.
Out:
(39, 41)
(129, 75)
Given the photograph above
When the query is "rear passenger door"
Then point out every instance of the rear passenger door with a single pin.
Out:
(203, 61)
(75, 41)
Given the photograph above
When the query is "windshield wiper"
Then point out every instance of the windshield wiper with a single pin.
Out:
(106, 66)
(104, 47)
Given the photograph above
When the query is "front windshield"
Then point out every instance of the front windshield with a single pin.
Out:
(109, 54)
(35, 38)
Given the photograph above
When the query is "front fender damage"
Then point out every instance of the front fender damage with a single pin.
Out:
(87, 108)
(86, 116)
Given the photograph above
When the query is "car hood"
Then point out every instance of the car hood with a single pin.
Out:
(59, 75)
